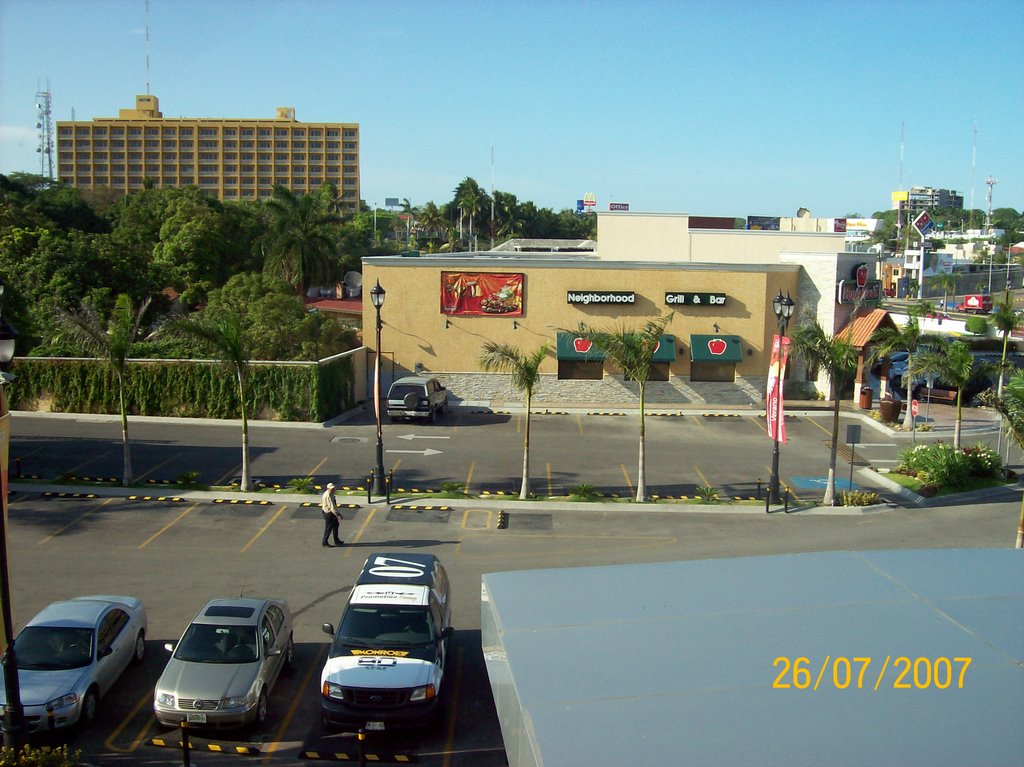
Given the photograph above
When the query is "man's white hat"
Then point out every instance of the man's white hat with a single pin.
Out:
(330, 485)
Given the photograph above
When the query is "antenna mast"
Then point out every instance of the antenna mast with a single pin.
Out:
(44, 124)
(988, 218)
(974, 155)
(147, 47)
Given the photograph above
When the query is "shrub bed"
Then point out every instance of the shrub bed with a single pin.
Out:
(940, 465)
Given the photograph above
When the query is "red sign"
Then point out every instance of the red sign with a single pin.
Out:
(776, 376)
(582, 345)
(482, 294)
(717, 346)
(913, 407)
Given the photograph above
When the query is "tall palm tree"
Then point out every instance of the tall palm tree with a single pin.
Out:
(1006, 319)
(225, 336)
(1010, 405)
(948, 284)
(112, 342)
(953, 364)
(302, 238)
(470, 198)
(525, 371)
(909, 338)
(432, 219)
(836, 357)
(631, 351)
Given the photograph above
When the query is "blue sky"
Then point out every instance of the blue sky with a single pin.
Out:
(710, 108)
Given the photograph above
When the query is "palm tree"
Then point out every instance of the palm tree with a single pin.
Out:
(112, 342)
(948, 284)
(525, 371)
(631, 351)
(1010, 405)
(1006, 319)
(470, 199)
(432, 219)
(954, 364)
(908, 338)
(302, 237)
(837, 359)
(225, 336)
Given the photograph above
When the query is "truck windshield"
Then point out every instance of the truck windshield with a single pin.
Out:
(385, 625)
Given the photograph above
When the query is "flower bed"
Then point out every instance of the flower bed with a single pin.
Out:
(942, 466)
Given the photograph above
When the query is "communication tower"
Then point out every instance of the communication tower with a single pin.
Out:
(44, 124)
(991, 182)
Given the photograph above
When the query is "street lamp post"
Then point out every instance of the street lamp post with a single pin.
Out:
(783, 308)
(379, 485)
(14, 713)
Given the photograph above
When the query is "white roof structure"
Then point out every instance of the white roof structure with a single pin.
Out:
(680, 662)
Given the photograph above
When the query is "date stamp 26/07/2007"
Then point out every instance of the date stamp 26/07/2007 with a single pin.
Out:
(859, 673)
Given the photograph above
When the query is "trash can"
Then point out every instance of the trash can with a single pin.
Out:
(890, 410)
(866, 395)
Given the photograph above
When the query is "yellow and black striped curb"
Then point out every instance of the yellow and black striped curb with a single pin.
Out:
(240, 502)
(340, 505)
(344, 756)
(421, 508)
(722, 415)
(76, 478)
(654, 497)
(502, 520)
(413, 490)
(51, 494)
(168, 498)
(217, 748)
(319, 488)
(498, 492)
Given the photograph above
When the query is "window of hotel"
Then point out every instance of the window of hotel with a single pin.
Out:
(316, 132)
(333, 145)
(316, 144)
(332, 131)
(231, 181)
(579, 370)
(231, 169)
(264, 169)
(66, 155)
(135, 131)
(151, 142)
(186, 132)
(298, 157)
(207, 131)
(247, 131)
(65, 143)
(281, 132)
(264, 145)
(187, 180)
(99, 156)
(316, 158)
(135, 155)
(333, 157)
(280, 145)
(264, 181)
(82, 131)
(265, 158)
(264, 131)
(230, 156)
(99, 131)
(152, 169)
(207, 168)
(248, 144)
(187, 156)
(350, 145)
(171, 144)
(350, 168)
(185, 144)
(350, 158)
(350, 134)
(332, 170)
(117, 131)
(152, 131)
(280, 169)
(170, 155)
(170, 131)
(316, 168)
(247, 180)
(298, 169)
(247, 156)
(187, 169)
(99, 144)
(135, 169)
(170, 169)
(100, 169)
(208, 182)
(248, 168)
(152, 155)
(117, 155)
(66, 168)
(82, 142)
(298, 145)
(119, 142)
(231, 131)
(207, 144)
(349, 182)
(316, 181)
(299, 132)
(231, 193)
(208, 155)
(231, 145)
(64, 131)
(117, 181)
(135, 142)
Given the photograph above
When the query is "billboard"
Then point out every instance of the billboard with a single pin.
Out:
(770, 223)
(477, 293)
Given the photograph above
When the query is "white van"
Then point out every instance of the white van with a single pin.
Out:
(388, 655)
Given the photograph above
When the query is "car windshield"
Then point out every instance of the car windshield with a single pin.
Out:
(53, 648)
(385, 625)
(207, 643)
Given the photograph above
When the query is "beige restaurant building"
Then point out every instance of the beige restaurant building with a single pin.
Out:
(718, 283)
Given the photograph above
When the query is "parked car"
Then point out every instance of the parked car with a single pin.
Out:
(416, 397)
(224, 667)
(70, 655)
(897, 364)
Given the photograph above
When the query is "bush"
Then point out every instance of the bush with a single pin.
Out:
(301, 484)
(976, 325)
(584, 492)
(942, 465)
(37, 757)
(858, 498)
(707, 493)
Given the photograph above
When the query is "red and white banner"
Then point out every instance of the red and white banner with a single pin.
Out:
(376, 391)
(776, 375)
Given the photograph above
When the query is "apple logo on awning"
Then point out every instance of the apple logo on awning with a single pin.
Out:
(656, 347)
(716, 346)
(582, 345)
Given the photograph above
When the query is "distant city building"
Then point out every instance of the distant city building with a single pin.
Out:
(229, 158)
(920, 198)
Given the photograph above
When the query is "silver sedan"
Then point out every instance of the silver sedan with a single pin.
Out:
(224, 667)
(71, 654)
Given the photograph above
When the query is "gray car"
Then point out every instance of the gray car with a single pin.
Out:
(224, 667)
(416, 397)
(71, 654)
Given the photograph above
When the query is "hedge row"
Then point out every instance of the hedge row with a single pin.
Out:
(185, 388)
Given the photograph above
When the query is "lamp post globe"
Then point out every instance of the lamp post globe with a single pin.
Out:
(783, 307)
(377, 294)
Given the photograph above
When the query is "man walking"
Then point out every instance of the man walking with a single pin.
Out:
(332, 517)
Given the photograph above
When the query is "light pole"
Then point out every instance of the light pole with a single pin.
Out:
(379, 486)
(783, 308)
(14, 713)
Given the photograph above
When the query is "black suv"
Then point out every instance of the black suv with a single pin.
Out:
(416, 397)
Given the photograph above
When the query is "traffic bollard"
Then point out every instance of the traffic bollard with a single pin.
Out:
(369, 487)
(186, 757)
(362, 748)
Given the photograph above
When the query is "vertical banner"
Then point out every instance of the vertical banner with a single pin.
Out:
(776, 375)
(5, 434)
(376, 391)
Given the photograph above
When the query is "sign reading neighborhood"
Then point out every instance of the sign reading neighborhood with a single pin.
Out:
(586, 297)
(695, 299)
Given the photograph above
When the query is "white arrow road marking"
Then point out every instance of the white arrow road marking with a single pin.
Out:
(425, 451)
(421, 436)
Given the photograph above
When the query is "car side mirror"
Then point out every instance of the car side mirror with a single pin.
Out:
(169, 646)
(327, 628)
(104, 652)
(273, 651)
(447, 632)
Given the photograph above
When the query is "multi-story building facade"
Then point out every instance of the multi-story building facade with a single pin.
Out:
(928, 198)
(229, 158)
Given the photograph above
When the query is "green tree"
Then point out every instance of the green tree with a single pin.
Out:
(909, 338)
(1010, 405)
(227, 337)
(1006, 319)
(836, 358)
(301, 240)
(111, 342)
(631, 351)
(525, 372)
(470, 199)
(947, 284)
(954, 364)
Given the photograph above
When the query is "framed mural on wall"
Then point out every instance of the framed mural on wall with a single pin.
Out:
(480, 293)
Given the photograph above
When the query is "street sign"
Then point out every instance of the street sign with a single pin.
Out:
(923, 223)
(852, 434)
(913, 407)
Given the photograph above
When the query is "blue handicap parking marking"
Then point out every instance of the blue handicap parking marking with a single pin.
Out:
(819, 483)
